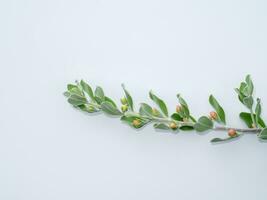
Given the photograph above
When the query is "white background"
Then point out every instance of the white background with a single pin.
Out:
(48, 150)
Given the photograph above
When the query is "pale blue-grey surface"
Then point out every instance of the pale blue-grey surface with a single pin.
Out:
(50, 151)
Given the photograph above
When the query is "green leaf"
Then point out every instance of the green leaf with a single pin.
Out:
(108, 108)
(88, 108)
(242, 87)
(76, 90)
(248, 101)
(214, 103)
(185, 113)
(203, 124)
(186, 128)
(99, 95)
(176, 117)
(246, 117)
(128, 98)
(129, 120)
(77, 100)
(215, 140)
(146, 110)
(87, 89)
(70, 86)
(156, 113)
(161, 126)
(192, 118)
(263, 134)
(160, 103)
(110, 101)
(258, 110)
(241, 96)
(249, 89)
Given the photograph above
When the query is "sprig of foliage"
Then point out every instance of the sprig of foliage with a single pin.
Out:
(82, 96)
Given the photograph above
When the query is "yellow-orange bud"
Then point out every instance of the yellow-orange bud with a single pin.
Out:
(136, 122)
(232, 132)
(213, 115)
(173, 125)
(155, 112)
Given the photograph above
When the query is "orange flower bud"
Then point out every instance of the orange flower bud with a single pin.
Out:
(232, 132)
(173, 125)
(213, 115)
(136, 122)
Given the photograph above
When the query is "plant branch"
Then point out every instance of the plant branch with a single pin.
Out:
(82, 96)
(243, 130)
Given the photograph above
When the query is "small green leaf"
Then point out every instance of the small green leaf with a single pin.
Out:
(241, 96)
(146, 110)
(215, 140)
(70, 86)
(88, 108)
(110, 101)
(108, 108)
(87, 89)
(192, 118)
(99, 95)
(249, 89)
(248, 101)
(263, 134)
(203, 124)
(128, 98)
(242, 87)
(160, 103)
(184, 112)
(186, 128)
(76, 90)
(162, 126)
(77, 100)
(176, 117)
(156, 113)
(258, 110)
(246, 117)
(214, 103)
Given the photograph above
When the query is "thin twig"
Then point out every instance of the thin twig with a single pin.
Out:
(243, 130)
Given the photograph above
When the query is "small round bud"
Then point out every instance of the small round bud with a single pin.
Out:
(155, 112)
(178, 108)
(123, 101)
(173, 125)
(232, 132)
(136, 122)
(91, 108)
(213, 115)
(253, 125)
(124, 108)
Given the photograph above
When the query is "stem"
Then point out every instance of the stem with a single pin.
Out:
(180, 123)
(245, 130)
(252, 117)
(169, 120)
